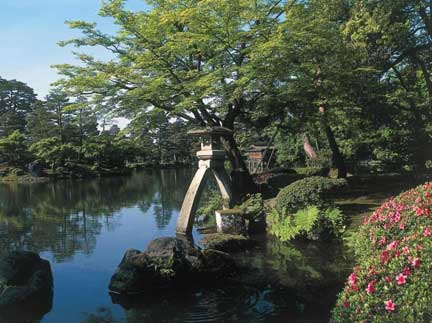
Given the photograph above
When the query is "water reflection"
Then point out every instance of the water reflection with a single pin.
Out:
(66, 217)
(84, 228)
(280, 281)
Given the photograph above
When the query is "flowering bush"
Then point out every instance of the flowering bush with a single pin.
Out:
(393, 281)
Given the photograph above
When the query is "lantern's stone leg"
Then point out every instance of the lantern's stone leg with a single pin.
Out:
(223, 182)
(190, 203)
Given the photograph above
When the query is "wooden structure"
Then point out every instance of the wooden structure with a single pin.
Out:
(259, 158)
(211, 160)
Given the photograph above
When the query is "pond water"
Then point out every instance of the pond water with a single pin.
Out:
(83, 227)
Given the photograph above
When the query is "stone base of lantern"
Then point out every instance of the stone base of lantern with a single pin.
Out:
(231, 221)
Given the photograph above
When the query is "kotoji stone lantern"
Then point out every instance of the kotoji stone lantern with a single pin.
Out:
(211, 159)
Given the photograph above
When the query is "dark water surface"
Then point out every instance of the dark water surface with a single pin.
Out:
(84, 227)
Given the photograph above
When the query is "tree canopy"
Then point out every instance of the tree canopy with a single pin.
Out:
(352, 77)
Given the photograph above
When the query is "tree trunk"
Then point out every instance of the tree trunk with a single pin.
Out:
(338, 159)
(241, 178)
(308, 149)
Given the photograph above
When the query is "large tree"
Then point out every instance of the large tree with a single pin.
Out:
(311, 67)
(17, 100)
(395, 39)
(397, 35)
(189, 58)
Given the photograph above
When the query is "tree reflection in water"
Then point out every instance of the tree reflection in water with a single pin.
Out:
(280, 281)
(65, 217)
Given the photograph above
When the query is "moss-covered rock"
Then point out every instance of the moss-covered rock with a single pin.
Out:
(169, 262)
(24, 276)
(229, 243)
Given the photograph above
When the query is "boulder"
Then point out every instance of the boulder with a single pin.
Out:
(229, 243)
(24, 276)
(168, 262)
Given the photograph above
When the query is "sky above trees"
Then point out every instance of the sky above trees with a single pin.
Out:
(30, 31)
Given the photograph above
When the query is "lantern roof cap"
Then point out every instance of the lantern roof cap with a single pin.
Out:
(216, 131)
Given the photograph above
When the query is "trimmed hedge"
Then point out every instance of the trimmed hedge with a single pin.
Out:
(313, 171)
(311, 191)
(393, 281)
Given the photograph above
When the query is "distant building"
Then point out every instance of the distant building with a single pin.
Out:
(259, 158)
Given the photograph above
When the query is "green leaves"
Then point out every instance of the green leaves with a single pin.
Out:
(13, 148)
(310, 222)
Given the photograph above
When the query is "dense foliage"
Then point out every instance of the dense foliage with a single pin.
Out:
(353, 76)
(305, 208)
(392, 281)
(67, 136)
(315, 190)
(311, 223)
(349, 81)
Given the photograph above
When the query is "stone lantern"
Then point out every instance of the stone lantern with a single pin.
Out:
(211, 159)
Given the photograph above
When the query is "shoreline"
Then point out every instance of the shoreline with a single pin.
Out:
(29, 179)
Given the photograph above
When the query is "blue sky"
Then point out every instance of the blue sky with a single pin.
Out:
(30, 30)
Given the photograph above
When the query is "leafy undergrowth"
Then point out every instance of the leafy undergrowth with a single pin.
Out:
(393, 279)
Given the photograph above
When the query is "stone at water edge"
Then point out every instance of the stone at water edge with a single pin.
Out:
(24, 277)
(230, 221)
(229, 243)
(168, 262)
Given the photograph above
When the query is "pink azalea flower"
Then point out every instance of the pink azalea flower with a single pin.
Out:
(392, 245)
(401, 279)
(405, 250)
(427, 232)
(406, 271)
(402, 226)
(397, 217)
(416, 262)
(389, 305)
(352, 279)
(387, 279)
(382, 240)
(384, 256)
(370, 287)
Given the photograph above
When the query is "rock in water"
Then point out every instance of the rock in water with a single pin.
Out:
(168, 262)
(24, 276)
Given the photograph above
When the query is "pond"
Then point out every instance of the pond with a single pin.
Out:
(83, 227)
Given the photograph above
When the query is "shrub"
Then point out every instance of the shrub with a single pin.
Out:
(312, 191)
(322, 160)
(311, 223)
(210, 203)
(253, 207)
(313, 171)
(393, 279)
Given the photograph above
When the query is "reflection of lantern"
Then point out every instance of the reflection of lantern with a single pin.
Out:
(211, 158)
